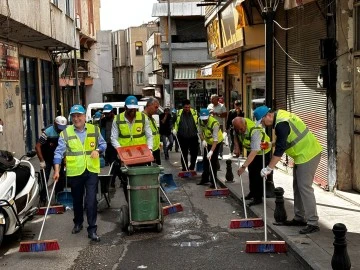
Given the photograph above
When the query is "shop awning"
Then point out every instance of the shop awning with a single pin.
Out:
(185, 73)
(208, 70)
(227, 61)
(149, 88)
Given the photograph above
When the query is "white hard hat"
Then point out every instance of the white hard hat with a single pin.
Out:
(61, 122)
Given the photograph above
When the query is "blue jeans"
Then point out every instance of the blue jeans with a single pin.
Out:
(87, 181)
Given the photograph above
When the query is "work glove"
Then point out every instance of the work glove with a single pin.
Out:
(266, 171)
(204, 144)
(265, 145)
(42, 165)
(209, 154)
(174, 132)
(94, 154)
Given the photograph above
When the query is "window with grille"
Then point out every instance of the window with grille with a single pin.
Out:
(138, 48)
(139, 77)
(68, 7)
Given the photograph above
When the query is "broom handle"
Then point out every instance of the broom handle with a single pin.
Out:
(242, 192)
(181, 153)
(47, 210)
(45, 183)
(211, 168)
(264, 191)
(163, 191)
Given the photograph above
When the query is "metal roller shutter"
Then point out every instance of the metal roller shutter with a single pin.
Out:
(280, 63)
(304, 98)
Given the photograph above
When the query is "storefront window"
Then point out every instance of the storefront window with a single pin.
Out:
(255, 88)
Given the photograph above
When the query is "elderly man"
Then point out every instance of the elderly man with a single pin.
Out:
(250, 137)
(219, 112)
(229, 127)
(152, 105)
(81, 143)
(130, 127)
(295, 139)
(211, 137)
(45, 149)
(185, 128)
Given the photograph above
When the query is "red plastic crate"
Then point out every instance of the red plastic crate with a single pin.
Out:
(136, 154)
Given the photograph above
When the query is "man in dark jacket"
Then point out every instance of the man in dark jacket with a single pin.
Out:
(165, 132)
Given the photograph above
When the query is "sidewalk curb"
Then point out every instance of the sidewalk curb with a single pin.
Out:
(291, 247)
(344, 197)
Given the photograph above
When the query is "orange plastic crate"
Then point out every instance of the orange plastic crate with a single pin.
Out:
(136, 154)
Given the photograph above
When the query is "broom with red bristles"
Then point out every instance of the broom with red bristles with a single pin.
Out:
(41, 245)
(265, 246)
(187, 173)
(172, 208)
(217, 191)
(54, 209)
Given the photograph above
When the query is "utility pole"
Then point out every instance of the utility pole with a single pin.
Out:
(77, 90)
(171, 90)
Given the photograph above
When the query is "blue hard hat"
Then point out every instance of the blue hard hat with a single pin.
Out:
(131, 102)
(77, 109)
(107, 108)
(204, 114)
(260, 112)
(97, 116)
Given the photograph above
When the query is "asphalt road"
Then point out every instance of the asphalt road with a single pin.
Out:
(197, 238)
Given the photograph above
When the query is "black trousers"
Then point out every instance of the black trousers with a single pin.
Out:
(206, 164)
(156, 155)
(188, 145)
(87, 181)
(255, 179)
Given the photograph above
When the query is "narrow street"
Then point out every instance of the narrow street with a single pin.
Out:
(197, 238)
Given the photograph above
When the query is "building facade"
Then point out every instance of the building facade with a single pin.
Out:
(314, 73)
(29, 45)
(130, 61)
(188, 51)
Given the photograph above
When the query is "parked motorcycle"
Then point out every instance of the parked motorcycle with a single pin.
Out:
(19, 192)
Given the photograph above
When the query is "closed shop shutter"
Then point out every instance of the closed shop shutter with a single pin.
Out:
(303, 96)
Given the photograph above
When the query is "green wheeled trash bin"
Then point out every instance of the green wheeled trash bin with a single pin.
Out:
(144, 206)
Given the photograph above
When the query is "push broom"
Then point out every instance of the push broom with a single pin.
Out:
(187, 173)
(265, 246)
(217, 191)
(55, 209)
(172, 208)
(246, 222)
(41, 245)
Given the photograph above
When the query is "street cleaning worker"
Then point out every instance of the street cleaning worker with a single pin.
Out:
(295, 139)
(105, 129)
(152, 105)
(186, 130)
(45, 148)
(81, 143)
(129, 128)
(211, 139)
(251, 137)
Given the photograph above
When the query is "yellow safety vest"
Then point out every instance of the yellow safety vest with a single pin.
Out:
(178, 117)
(246, 138)
(77, 154)
(155, 133)
(208, 130)
(302, 145)
(136, 135)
